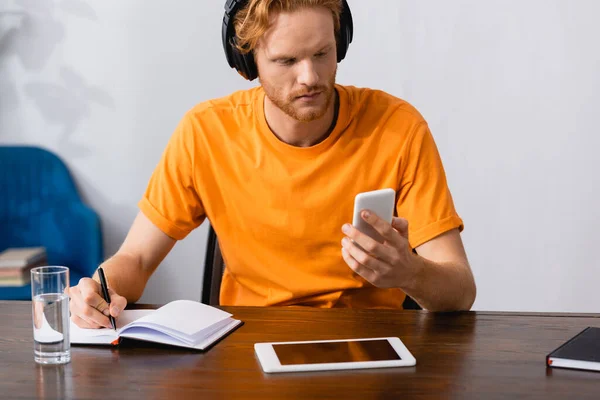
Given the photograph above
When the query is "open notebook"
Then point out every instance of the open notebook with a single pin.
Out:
(181, 323)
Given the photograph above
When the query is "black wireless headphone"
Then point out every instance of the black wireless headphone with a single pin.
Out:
(244, 63)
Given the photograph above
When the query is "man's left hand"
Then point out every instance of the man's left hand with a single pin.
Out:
(390, 264)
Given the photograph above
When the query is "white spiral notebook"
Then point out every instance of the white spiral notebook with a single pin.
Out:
(182, 323)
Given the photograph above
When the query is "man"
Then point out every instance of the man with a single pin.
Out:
(276, 169)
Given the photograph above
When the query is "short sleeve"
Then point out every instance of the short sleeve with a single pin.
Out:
(171, 200)
(424, 197)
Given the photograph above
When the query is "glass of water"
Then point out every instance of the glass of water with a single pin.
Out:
(50, 308)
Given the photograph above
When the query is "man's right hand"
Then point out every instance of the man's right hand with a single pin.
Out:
(88, 308)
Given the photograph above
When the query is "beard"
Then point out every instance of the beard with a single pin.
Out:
(291, 106)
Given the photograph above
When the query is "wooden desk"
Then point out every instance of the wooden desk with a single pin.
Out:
(464, 355)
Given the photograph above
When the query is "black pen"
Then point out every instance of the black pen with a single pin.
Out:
(106, 296)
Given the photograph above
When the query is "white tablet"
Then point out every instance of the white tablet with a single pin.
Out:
(325, 355)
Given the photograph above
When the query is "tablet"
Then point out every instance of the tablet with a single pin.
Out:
(327, 355)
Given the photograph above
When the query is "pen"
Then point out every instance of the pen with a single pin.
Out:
(106, 296)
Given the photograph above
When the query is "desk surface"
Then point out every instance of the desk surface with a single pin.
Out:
(459, 355)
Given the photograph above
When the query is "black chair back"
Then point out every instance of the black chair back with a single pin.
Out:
(213, 270)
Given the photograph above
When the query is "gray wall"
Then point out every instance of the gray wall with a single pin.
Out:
(509, 89)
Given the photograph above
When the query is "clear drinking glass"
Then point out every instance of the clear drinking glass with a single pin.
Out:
(50, 308)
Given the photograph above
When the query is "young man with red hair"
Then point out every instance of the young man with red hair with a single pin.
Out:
(275, 170)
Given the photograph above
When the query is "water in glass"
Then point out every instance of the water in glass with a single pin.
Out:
(51, 328)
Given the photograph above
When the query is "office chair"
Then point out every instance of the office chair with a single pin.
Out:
(214, 268)
(40, 206)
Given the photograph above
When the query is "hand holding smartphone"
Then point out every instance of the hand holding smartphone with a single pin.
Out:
(381, 202)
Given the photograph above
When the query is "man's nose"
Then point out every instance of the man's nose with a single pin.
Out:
(307, 74)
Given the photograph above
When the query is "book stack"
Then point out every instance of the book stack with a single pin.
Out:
(16, 264)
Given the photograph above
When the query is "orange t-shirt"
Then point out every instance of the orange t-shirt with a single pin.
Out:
(278, 209)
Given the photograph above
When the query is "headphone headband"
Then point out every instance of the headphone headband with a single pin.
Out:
(245, 64)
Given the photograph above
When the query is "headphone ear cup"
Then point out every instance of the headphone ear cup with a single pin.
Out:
(250, 66)
(341, 48)
(243, 63)
(346, 31)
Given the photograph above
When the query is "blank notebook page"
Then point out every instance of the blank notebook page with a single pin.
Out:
(126, 317)
(185, 316)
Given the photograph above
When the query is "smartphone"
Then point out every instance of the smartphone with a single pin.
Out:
(326, 355)
(381, 202)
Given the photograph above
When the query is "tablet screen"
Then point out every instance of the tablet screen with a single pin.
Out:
(335, 352)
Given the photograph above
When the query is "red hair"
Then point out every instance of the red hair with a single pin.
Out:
(252, 20)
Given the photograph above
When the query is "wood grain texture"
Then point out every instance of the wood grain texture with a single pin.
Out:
(459, 355)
